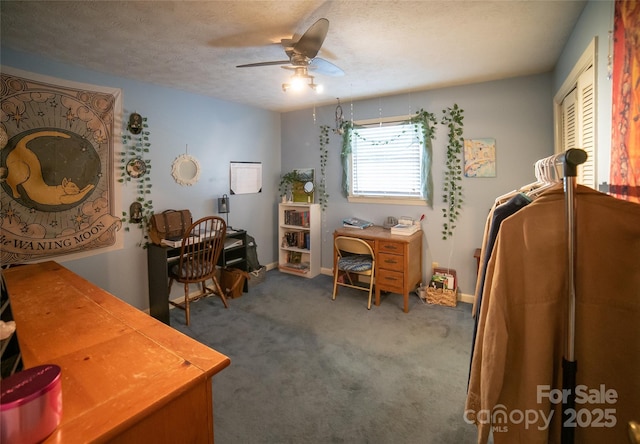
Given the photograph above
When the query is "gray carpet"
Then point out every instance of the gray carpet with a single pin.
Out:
(306, 369)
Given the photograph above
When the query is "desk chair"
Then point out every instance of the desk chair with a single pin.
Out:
(198, 260)
(354, 256)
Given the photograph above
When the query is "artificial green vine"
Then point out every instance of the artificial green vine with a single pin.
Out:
(135, 147)
(453, 175)
(324, 156)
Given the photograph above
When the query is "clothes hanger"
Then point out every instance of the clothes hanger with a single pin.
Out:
(524, 189)
(547, 172)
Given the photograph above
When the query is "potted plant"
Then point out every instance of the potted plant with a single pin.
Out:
(288, 182)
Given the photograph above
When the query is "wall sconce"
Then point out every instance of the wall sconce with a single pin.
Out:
(224, 206)
(135, 123)
(135, 213)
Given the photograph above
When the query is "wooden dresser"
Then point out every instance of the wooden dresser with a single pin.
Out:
(398, 259)
(126, 377)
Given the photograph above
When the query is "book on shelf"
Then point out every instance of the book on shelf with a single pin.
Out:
(297, 239)
(354, 222)
(297, 218)
(294, 257)
(404, 230)
(295, 267)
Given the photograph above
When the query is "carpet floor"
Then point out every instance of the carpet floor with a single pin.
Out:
(306, 369)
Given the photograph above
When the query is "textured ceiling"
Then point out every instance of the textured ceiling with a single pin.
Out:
(384, 47)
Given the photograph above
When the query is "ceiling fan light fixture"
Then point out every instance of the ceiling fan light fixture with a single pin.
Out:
(318, 88)
(302, 58)
(297, 83)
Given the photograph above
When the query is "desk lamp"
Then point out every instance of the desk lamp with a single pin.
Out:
(223, 206)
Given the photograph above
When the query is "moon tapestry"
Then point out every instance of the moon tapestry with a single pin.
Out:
(57, 168)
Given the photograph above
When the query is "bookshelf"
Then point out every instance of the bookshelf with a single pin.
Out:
(299, 236)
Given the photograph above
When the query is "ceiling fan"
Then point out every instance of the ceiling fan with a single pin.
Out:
(302, 55)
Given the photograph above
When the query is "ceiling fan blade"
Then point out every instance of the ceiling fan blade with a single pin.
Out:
(311, 41)
(251, 65)
(321, 66)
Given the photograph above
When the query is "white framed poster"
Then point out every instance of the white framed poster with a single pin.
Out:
(245, 177)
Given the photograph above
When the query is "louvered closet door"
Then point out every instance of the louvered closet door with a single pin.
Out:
(578, 124)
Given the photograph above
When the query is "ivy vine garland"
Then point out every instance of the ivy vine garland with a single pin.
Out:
(452, 189)
(136, 146)
(324, 156)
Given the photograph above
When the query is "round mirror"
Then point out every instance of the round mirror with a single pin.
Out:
(308, 187)
(185, 169)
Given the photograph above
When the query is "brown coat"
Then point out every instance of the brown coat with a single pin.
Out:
(521, 331)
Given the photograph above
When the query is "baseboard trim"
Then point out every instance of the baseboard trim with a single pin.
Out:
(468, 298)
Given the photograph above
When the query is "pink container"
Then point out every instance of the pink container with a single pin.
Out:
(30, 405)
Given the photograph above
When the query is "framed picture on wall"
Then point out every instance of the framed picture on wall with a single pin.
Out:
(245, 177)
(303, 188)
(480, 157)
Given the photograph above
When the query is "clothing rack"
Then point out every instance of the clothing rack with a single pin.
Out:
(569, 160)
(523, 330)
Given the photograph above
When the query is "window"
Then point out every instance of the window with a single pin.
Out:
(388, 162)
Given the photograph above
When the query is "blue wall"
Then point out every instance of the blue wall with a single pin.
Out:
(216, 133)
(516, 112)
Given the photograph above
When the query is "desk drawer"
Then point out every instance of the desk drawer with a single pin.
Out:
(390, 280)
(390, 261)
(390, 247)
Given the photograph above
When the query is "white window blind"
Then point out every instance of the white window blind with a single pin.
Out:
(386, 160)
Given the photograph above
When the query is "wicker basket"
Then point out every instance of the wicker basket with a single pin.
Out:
(440, 296)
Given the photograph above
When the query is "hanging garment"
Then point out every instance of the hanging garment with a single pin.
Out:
(521, 335)
(500, 213)
(481, 264)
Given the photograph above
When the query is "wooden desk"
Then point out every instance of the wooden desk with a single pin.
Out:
(161, 257)
(398, 259)
(126, 377)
